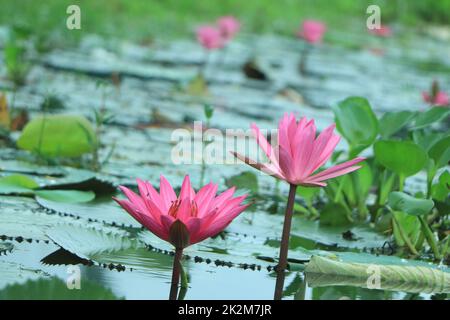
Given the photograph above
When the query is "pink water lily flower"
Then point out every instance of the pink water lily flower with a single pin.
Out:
(210, 37)
(185, 219)
(228, 27)
(382, 31)
(300, 153)
(312, 31)
(440, 99)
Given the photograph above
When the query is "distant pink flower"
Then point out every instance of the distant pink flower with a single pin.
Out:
(312, 31)
(184, 220)
(300, 153)
(228, 27)
(440, 99)
(209, 37)
(382, 31)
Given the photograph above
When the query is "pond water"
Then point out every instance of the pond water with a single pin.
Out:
(144, 88)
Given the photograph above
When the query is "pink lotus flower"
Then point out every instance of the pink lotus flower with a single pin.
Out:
(382, 31)
(312, 31)
(440, 99)
(300, 154)
(228, 27)
(210, 37)
(184, 220)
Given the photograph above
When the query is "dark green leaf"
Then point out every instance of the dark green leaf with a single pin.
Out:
(392, 122)
(400, 201)
(403, 157)
(356, 121)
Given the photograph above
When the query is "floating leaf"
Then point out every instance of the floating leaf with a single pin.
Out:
(99, 210)
(403, 157)
(86, 242)
(400, 201)
(56, 289)
(246, 180)
(322, 271)
(66, 196)
(58, 136)
(392, 122)
(17, 184)
(356, 121)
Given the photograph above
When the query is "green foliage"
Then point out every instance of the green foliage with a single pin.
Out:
(356, 121)
(246, 180)
(441, 189)
(392, 122)
(405, 158)
(431, 116)
(440, 152)
(400, 201)
(58, 136)
(24, 185)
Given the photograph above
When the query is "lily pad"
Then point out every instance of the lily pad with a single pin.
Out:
(86, 242)
(322, 271)
(58, 136)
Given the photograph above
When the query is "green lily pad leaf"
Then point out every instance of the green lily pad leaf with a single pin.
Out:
(403, 157)
(86, 242)
(66, 196)
(392, 122)
(322, 271)
(22, 219)
(246, 180)
(58, 136)
(400, 201)
(17, 184)
(440, 152)
(108, 212)
(431, 116)
(356, 121)
(56, 289)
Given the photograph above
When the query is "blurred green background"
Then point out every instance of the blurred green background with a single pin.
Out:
(144, 20)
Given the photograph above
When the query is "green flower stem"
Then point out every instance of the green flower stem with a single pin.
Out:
(401, 182)
(404, 235)
(284, 247)
(175, 273)
(430, 237)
